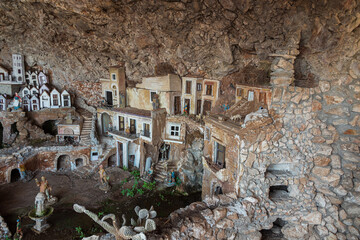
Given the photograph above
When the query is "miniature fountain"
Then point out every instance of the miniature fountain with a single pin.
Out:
(40, 213)
(42, 209)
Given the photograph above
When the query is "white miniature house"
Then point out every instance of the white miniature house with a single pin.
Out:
(26, 103)
(24, 92)
(65, 99)
(42, 78)
(34, 101)
(34, 91)
(34, 79)
(45, 100)
(43, 88)
(3, 102)
(55, 98)
(18, 68)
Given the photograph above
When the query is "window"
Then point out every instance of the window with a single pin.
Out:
(113, 76)
(19, 71)
(175, 130)
(34, 101)
(66, 101)
(146, 130)
(121, 123)
(33, 77)
(26, 92)
(209, 89)
(1, 101)
(239, 92)
(34, 92)
(55, 100)
(219, 155)
(24, 101)
(198, 86)
(188, 87)
(152, 96)
(44, 98)
(132, 126)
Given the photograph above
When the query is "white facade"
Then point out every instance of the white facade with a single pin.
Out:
(26, 103)
(55, 98)
(3, 103)
(25, 92)
(34, 103)
(34, 91)
(4, 75)
(44, 88)
(65, 99)
(42, 79)
(45, 100)
(18, 69)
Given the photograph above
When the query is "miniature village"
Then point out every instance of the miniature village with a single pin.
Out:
(252, 137)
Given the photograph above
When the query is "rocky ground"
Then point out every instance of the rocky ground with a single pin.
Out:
(17, 199)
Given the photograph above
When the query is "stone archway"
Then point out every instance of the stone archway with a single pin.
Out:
(79, 162)
(15, 175)
(111, 162)
(63, 163)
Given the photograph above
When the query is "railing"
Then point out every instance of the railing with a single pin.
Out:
(145, 133)
(213, 166)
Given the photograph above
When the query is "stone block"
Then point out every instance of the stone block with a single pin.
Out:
(322, 161)
(313, 218)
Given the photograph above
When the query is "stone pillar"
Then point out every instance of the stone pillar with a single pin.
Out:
(282, 70)
(126, 154)
(118, 154)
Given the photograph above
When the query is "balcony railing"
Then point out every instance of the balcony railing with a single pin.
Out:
(213, 166)
(124, 134)
(145, 133)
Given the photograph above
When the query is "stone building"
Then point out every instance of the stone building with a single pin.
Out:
(113, 90)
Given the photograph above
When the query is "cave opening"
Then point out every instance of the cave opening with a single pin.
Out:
(15, 175)
(50, 127)
(112, 161)
(275, 232)
(14, 129)
(278, 192)
(79, 162)
(63, 163)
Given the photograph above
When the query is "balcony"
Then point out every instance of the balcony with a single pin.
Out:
(212, 165)
(123, 135)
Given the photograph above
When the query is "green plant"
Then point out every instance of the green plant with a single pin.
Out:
(177, 181)
(100, 214)
(162, 197)
(140, 191)
(125, 168)
(80, 232)
(149, 185)
(136, 174)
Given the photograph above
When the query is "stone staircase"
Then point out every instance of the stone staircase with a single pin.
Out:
(85, 138)
(162, 168)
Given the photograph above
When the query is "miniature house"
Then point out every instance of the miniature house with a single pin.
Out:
(65, 99)
(69, 130)
(211, 90)
(18, 74)
(34, 91)
(55, 97)
(42, 78)
(34, 103)
(43, 88)
(26, 103)
(24, 92)
(166, 88)
(31, 78)
(4, 102)
(114, 89)
(261, 94)
(4, 75)
(45, 100)
(192, 88)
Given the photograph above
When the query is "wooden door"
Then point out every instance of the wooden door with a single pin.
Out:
(206, 107)
(109, 98)
(198, 107)
(177, 105)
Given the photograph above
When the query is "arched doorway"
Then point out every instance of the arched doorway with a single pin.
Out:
(105, 122)
(112, 161)
(15, 175)
(79, 162)
(50, 127)
(63, 163)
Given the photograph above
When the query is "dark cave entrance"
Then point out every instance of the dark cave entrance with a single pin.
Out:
(15, 175)
(278, 192)
(79, 162)
(14, 129)
(50, 127)
(63, 163)
(112, 161)
(275, 232)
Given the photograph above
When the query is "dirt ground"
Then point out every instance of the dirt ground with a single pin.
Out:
(17, 199)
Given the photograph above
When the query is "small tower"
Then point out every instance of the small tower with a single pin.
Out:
(18, 73)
